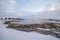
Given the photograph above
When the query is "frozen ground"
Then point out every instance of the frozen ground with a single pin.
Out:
(11, 34)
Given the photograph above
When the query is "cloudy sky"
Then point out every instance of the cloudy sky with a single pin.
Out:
(30, 8)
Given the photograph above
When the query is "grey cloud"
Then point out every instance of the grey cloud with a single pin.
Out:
(7, 7)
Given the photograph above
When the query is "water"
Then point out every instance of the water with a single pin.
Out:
(11, 34)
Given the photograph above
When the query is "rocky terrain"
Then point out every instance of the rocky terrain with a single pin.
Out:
(47, 28)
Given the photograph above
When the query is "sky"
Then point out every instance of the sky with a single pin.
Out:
(30, 8)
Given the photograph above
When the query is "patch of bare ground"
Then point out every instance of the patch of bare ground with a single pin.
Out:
(44, 28)
(41, 25)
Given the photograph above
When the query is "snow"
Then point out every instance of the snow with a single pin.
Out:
(11, 34)
(44, 29)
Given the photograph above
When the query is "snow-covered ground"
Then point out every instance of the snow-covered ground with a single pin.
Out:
(11, 34)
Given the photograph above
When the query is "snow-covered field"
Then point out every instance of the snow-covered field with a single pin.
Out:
(11, 34)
